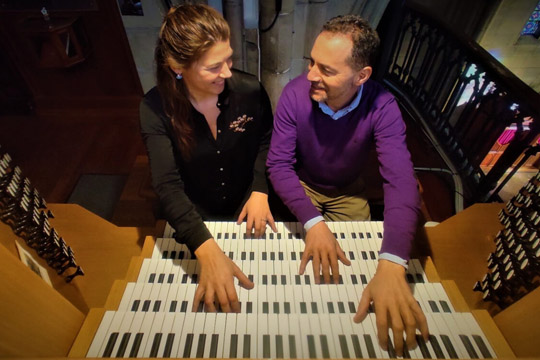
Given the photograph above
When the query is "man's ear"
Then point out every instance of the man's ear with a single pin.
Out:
(363, 75)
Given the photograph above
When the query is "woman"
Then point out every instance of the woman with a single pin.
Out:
(207, 129)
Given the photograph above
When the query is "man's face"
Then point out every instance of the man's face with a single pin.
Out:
(332, 79)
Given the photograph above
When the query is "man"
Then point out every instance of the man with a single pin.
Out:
(325, 123)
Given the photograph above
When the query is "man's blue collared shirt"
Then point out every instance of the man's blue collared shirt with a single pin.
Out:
(342, 112)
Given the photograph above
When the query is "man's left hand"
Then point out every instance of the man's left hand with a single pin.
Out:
(395, 307)
(258, 214)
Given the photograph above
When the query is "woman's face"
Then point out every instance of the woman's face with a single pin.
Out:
(207, 75)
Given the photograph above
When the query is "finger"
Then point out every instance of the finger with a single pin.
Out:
(381, 320)
(242, 278)
(410, 330)
(335, 269)
(242, 215)
(316, 262)
(259, 225)
(223, 299)
(271, 222)
(398, 328)
(249, 226)
(199, 293)
(303, 262)
(232, 298)
(326, 269)
(421, 321)
(209, 301)
(342, 257)
(363, 307)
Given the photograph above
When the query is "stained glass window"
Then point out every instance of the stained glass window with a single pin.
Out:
(531, 27)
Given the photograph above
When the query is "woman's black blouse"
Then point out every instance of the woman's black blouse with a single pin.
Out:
(221, 173)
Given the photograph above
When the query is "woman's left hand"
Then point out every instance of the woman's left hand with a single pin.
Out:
(258, 214)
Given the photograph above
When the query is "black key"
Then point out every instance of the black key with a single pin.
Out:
(292, 347)
(136, 345)
(135, 305)
(352, 307)
(423, 347)
(250, 277)
(279, 236)
(330, 307)
(152, 278)
(361, 235)
(200, 346)
(283, 279)
(274, 279)
(436, 347)
(341, 307)
(243, 255)
(449, 347)
(182, 255)
(354, 279)
(161, 277)
(213, 346)
(287, 307)
(391, 350)
(340, 279)
(168, 345)
(185, 278)
(226, 236)
(419, 278)
(356, 346)
(468, 346)
(343, 345)
(187, 347)
(363, 279)
(351, 255)
(247, 346)
(231, 255)
(266, 346)
(155, 345)
(303, 308)
(290, 236)
(324, 347)
(200, 307)
(369, 346)
(194, 279)
(280, 256)
(173, 255)
(307, 280)
(170, 279)
(265, 307)
(123, 345)
(234, 345)
(364, 255)
(482, 346)
(146, 305)
(311, 347)
(410, 278)
(276, 307)
(372, 255)
(165, 254)
(353, 235)
(251, 255)
(445, 306)
(271, 236)
(157, 305)
(433, 306)
(183, 307)
(110, 344)
(265, 279)
(264, 256)
(172, 307)
(279, 347)
(368, 235)
(234, 236)
(273, 256)
(314, 309)
(297, 279)
(379, 235)
(219, 235)
(293, 255)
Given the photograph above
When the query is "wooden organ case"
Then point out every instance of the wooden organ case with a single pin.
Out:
(61, 321)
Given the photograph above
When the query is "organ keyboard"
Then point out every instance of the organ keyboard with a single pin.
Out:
(284, 316)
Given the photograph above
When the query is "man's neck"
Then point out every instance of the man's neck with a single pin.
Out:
(344, 101)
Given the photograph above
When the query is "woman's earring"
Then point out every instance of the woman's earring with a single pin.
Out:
(178, 76)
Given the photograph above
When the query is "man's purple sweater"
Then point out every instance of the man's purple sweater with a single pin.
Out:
(309, 145)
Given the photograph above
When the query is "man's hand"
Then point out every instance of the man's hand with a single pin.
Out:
(395, 307)
(324, 251)
(258, 214)
(216, 284)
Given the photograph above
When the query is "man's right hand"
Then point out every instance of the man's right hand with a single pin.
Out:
(324, 251)
(216, 284)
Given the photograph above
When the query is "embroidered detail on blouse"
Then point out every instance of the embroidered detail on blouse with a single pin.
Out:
(239, 124)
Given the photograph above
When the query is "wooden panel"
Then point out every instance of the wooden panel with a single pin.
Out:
(86, 335)
(36, 320)
(520, 325)
(460, 246)
(493, 334)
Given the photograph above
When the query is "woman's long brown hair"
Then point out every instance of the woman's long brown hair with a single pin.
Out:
(187, 32)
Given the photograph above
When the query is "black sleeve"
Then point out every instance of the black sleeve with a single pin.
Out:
(177, 209)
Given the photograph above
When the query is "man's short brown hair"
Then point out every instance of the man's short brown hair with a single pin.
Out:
(365, 39)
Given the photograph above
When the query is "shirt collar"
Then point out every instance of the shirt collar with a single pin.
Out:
(335, 115)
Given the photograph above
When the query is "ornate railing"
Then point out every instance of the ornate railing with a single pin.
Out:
(463, 96)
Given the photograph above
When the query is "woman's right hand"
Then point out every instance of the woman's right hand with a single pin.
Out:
(216, 281)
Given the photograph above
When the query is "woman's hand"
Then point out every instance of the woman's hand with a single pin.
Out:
(258, 214)
(216, 283)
